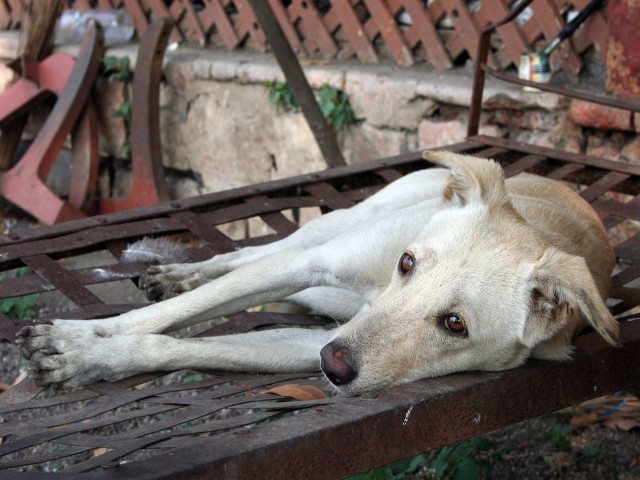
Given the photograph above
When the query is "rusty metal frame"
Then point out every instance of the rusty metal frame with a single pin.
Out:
(25, 183)
(328, 438)
(401, 421)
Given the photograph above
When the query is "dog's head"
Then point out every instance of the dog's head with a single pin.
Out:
(478, 290)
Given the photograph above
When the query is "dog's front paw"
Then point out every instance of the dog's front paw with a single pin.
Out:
(57, 357)
(162, 282)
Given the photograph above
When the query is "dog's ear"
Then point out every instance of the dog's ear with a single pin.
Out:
(472, 179)
(562, 287)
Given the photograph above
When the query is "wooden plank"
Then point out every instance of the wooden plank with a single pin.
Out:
(317, 37)
(5, 15)
(17, 12)
(138, 14)
(594, 31)
(187, 22)
(512, 37)
(214, 15)
(247, 24)
(354, 32)
(423, 28)
(285, 24)
(388, 28)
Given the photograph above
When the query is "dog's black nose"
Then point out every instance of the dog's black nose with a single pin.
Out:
(337, 365)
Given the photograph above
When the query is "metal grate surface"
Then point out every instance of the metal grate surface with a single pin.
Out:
(194, 423)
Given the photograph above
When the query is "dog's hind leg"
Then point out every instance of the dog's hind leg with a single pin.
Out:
(166, 281)
(64, 360)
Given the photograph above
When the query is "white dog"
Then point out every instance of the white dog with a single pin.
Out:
(441, 271)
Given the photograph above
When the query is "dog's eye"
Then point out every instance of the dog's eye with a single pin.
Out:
(406, 264)
(454, 323)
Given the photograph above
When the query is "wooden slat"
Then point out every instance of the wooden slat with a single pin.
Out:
(318, 37)
(353, 30)
(283, 19)
(247, 25)
(388, 28)
(214, 15)
(512, 37)
(424, 30)
(189, 26)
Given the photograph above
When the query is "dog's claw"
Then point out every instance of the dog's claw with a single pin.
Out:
(161, 282)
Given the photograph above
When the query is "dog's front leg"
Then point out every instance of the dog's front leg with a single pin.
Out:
(71, 361)
(268, 279)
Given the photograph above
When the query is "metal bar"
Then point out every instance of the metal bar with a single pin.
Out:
(65, 282)
(404, 421)
(602, 163)
(589, 97)
(283, 52)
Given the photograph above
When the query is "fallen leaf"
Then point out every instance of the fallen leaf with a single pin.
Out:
(298, 392)
(21, 376)
(584, 419)
(618, 411)
(625, 424)
(100, 451)
(4, 386)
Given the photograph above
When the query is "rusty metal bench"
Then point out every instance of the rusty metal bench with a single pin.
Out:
(226, 425)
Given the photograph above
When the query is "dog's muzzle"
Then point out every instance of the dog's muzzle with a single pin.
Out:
(337, 364)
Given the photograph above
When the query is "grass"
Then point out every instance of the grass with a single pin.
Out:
(460, 461)
(19, 307)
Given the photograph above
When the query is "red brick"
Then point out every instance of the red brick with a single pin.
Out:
(592, 115)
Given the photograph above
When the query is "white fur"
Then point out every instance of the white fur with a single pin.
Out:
(525, 266)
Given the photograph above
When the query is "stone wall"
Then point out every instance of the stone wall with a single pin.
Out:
(218, 121)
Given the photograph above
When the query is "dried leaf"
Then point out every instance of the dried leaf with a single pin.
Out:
(100, 451)
(626, 424)
(584, 419)
(298, 392)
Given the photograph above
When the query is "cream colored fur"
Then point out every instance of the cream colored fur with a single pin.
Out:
(522, 265)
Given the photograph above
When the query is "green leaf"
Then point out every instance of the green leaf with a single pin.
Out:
(124, 111)
(466, 470)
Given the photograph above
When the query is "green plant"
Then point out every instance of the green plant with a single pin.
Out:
(334, 103)
(335, 106)
(118, 69)
(281, 95)
(459, 461)
(19, 307)
(392, 471)
(559, 435)
(594, 453)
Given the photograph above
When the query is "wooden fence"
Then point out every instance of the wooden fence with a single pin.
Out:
(442, 33)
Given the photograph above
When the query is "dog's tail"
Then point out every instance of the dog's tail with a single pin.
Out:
(157, 251)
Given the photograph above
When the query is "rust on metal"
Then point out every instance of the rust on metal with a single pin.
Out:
(147, 175)
(24, 184)
(194, 424)
(179, 430)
